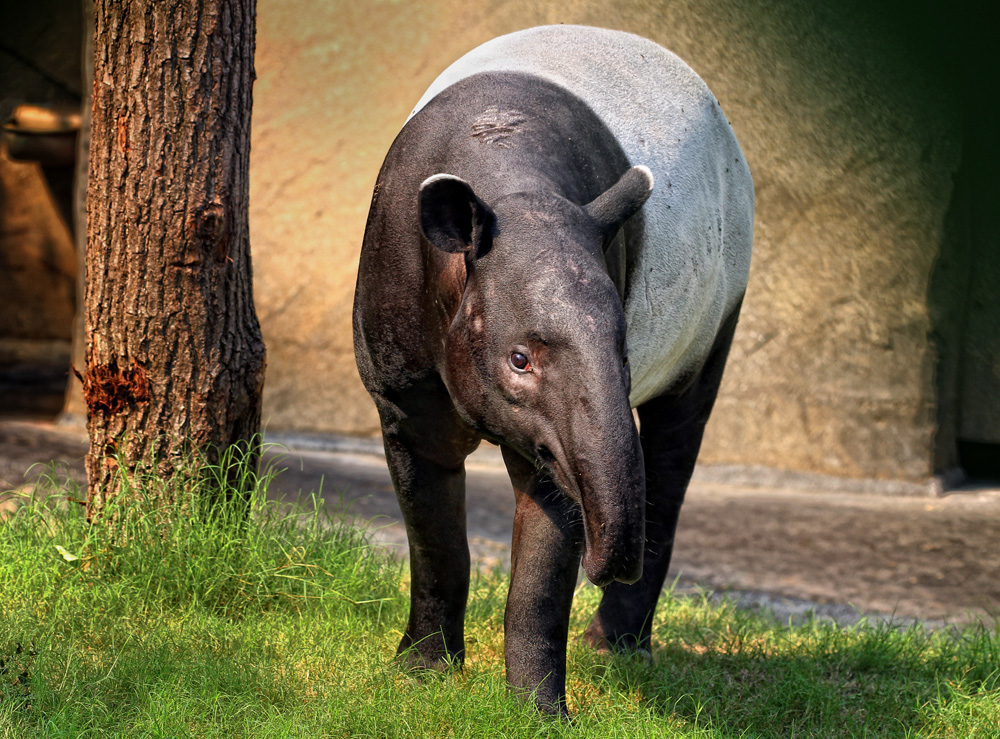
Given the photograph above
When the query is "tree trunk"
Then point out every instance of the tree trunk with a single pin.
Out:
(175, 360)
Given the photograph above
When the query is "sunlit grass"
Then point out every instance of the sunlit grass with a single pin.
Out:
(199, 621)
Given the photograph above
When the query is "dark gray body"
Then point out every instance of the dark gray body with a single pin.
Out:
(509, 271)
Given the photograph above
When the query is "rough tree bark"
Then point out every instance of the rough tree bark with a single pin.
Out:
(174, 358)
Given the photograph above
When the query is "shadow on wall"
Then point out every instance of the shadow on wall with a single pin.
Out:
(965, 309)
(963, 296)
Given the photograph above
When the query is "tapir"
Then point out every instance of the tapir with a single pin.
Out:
(560, 233)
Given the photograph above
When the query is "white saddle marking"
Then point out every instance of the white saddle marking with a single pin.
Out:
(688, 269)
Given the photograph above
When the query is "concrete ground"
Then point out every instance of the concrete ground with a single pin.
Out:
(794, 550)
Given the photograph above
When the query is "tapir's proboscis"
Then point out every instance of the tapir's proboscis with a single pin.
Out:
(561, 232)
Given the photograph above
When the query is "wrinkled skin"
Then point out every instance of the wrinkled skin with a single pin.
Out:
(568, 408)
(484, 310)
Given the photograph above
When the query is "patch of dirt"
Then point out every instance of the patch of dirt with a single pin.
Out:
(929, 558)
(26, 447)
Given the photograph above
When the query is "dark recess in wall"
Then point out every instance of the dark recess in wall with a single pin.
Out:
(963, 299)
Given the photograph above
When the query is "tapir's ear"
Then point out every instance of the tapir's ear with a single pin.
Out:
(453, 218)
(620, 201)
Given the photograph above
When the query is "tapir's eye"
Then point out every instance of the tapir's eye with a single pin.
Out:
(519, 361)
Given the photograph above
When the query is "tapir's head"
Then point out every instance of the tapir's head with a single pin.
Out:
(536, 355)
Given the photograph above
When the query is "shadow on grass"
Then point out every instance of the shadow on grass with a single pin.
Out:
(736, 674)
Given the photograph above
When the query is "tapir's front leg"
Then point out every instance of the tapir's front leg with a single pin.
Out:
(432, 500)
(426, 446)
(545, 560)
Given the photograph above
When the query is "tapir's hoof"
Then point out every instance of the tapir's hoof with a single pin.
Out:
(625, 646)
(412, 658)
(549, 706)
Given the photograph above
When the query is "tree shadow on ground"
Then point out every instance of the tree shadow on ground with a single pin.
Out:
(748, 678)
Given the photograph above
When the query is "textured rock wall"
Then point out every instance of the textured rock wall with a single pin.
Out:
(852, 138)
(37, 261)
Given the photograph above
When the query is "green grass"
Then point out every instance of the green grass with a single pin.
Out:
(189, 623)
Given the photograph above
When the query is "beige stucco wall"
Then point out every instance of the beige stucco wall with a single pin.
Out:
(851, 141)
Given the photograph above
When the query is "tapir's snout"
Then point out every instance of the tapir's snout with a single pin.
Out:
(603, 567)
(606, 478)
(615, 536)
(612, 494)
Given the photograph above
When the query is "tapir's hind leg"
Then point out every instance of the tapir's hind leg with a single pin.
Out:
(671, 428)
(426, 445)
